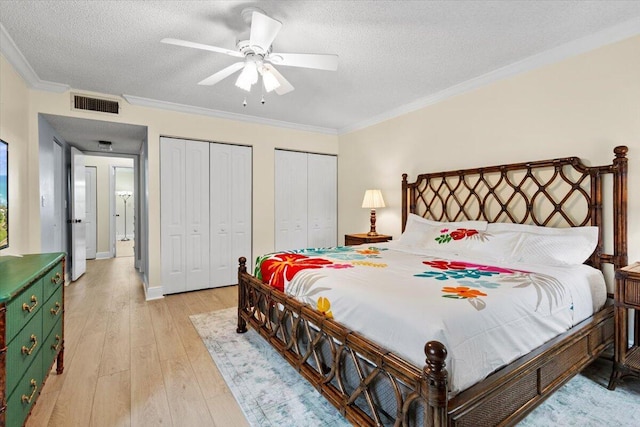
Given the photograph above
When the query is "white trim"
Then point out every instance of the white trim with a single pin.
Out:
(610, 35)
(152, 293)
(103, 255)
(12, 53)
(190, 109)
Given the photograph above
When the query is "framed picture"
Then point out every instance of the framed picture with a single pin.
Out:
(4, 194)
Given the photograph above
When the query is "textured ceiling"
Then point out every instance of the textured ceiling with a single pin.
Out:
(392, 53)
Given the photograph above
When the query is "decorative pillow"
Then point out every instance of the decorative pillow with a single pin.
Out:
(419, 229)
(549, 245)
(465, 243)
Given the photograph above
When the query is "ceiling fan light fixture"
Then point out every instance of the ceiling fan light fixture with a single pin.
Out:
(248, 77)
(269, 81)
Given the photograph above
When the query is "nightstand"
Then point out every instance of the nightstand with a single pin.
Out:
(626, 296)
(359, 239)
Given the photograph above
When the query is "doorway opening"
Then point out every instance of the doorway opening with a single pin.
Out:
(124, 201)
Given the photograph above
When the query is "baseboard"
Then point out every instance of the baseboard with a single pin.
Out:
(103, 255)
(152, 293)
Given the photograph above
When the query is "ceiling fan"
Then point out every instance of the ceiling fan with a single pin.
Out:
(258, 57)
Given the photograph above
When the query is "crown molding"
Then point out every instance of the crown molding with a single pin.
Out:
(190, 109)
(602, 38)
(11, 52)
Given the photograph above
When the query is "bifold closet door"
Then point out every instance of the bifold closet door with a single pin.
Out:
(322, 201)
(290, 200)
(230, 211)
(184, 215)
(306, 194)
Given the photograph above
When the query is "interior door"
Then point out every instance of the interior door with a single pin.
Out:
(322, 205)
(230, 211)
(184, 214)
(90, 216)
(290, 200)
(78, 212)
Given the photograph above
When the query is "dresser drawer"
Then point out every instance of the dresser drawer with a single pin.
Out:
(23, 397)
(51, 311)
(52, 281)
(51, 346)
(23, 308)
(24, 349)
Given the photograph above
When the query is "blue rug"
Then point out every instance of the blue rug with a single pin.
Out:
(271, 393)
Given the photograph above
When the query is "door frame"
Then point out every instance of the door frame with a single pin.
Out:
(113, 212)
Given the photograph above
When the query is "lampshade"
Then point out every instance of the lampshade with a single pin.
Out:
(373, 199)
(248, 76)
(269, 80)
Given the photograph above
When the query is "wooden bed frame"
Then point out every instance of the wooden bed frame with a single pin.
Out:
(559, 192)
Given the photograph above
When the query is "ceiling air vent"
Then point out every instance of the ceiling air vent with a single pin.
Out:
(95, 104)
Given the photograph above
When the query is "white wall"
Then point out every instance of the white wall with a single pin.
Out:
(583, 106)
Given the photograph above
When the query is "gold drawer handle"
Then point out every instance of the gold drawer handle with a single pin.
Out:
(56, 346)
(56, 279)
(27, 399)
(55, 311)
(29, 308)
(28, 351)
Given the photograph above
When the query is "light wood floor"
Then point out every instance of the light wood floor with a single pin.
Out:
(129, 362)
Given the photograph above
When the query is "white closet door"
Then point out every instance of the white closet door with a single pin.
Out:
(230, 211)
(197, 214)
(172, 215)
(322, 204)
(290, 200)
(241, 209)
(184, 216)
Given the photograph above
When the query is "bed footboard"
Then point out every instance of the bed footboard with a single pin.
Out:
(368, 384)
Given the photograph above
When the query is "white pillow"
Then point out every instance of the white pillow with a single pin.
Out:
(549, 245)
(418, 229)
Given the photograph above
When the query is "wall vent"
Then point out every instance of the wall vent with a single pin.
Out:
(94, 104)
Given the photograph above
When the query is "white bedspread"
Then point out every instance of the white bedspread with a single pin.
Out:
(486, 316)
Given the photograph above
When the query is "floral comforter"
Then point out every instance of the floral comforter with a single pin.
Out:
(486, 315)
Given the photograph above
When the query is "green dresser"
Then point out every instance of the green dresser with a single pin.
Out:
(31, 330)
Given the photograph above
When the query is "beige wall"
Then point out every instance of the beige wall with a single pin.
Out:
(14, 129)
(583, 106)
(262, 138)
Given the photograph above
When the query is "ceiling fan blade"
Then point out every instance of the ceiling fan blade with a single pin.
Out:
(285, 87)
(263, 31)
(306, 60)
(222, 74)
(185, 43)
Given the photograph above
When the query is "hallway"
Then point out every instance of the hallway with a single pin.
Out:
(129, 362)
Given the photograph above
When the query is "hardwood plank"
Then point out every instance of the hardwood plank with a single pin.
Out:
(165, 331)
(225, 411)
(112, 402)
(141, 328)
(148, 399)
(186, 403)
(75, 400)
(117, 345)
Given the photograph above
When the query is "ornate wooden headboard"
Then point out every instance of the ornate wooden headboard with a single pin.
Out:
(559, 193)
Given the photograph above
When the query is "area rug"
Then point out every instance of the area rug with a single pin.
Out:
(271, 393)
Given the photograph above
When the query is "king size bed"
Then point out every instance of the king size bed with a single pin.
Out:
(493, 297)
